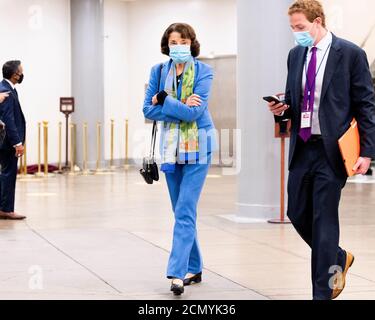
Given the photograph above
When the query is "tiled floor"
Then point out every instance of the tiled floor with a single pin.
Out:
(108, 237)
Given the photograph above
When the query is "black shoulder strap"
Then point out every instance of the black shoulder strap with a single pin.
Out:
(153, 139)
(155, 124)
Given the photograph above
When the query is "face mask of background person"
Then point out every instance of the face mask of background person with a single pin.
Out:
(305, 32)
(20, 77)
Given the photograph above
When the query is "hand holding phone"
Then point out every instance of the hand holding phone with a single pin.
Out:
(274, 99)
(276, 105)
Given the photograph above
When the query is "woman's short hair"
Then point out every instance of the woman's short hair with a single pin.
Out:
(187, 32)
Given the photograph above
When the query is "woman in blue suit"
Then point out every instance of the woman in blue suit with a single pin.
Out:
(177, 95)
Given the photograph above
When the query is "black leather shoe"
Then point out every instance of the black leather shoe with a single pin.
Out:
(195, 279)
(177, 290)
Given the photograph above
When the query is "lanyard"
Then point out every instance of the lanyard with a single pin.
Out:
(316, 74)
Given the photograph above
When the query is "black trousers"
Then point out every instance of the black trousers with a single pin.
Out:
(8, 177)
(314, 192)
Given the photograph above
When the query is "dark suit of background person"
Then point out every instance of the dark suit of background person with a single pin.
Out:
(3, 96)
(11, 114)
(317, 172)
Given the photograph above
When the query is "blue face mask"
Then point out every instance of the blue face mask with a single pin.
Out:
(304, 38)
(180, 53)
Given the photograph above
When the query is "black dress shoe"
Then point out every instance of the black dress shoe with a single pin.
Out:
(197, 279)
(177, 289)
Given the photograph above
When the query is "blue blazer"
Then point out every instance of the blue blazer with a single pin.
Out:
(347, 92)
(11, 114)
(175, 111)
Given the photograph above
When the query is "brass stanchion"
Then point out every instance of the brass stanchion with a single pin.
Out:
(85, 170)
(20, 174)
(25, 159)
(99, 169)
(24, 176)
(71, 149)
(111, 162)
(98, 147)
(39, 173)
(59, 165)
(126, 165)
(45, 150)
(21, 168)
(73, 145)
(74, 136)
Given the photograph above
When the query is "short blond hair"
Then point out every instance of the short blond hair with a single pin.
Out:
(312, 9)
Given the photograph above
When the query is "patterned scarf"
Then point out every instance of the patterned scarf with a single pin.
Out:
(179, 140)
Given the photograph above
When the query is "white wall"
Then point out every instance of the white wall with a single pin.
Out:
(37, 32)
(352, 20)
(133, 31)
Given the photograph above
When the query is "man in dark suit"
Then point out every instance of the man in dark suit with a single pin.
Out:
(12, 147)
(329, 83)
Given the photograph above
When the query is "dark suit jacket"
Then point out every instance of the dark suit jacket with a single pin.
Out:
(347, 92)
(11, 114)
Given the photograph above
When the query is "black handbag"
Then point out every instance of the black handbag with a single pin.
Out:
(150, 171)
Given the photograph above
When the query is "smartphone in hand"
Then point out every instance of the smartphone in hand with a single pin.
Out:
(273, 99)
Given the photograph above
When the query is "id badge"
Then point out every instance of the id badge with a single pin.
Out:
(305, 120)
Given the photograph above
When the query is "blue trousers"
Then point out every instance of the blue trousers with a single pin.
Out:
(185, 186)
(8, 177)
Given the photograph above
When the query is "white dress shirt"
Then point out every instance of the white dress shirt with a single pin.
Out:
(11, 83)
(324, 48)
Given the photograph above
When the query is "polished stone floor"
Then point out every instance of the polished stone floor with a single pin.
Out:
(108, 237)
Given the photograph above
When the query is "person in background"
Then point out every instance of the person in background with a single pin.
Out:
(12, 147)
(178, 94)
(329, 83)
